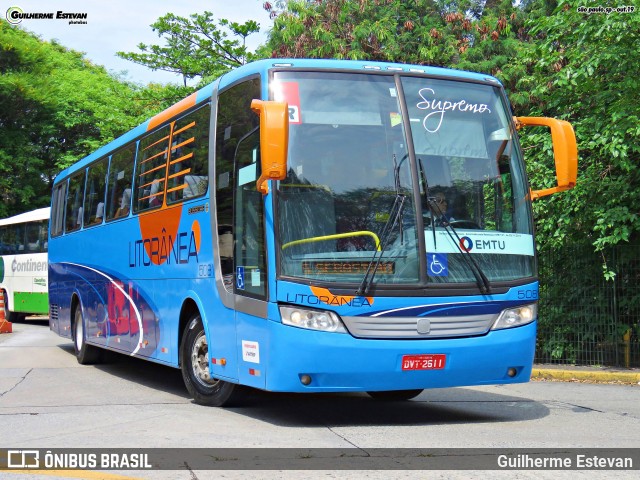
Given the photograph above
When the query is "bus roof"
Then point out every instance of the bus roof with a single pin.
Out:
(262, 67)
(32, 216)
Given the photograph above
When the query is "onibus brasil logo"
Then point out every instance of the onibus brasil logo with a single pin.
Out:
(15, 15)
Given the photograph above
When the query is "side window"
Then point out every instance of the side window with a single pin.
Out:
(35, 240)
(74, 212)
(188, 175)
(119, 185)
(4, 241)
(13, 239)
(96, 189)
(248, 224)
(151, 170)
(234, 120)
(44, 239)
(57, 209)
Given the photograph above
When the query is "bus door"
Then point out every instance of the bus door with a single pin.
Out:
(250, 286)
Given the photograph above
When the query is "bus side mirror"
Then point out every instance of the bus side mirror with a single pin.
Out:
(565, 152)
(274, 141)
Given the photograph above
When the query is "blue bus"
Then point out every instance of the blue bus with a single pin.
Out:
(310, 226)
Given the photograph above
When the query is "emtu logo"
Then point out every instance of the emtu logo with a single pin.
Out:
(466, 244)
(14, 15)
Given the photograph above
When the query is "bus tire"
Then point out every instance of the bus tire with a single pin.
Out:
(395, 395)
(9, 315)
(85, 354)
(194, 364)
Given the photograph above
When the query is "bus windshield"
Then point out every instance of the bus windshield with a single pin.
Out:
(450, 160)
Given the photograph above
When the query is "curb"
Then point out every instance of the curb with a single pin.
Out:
(585, 375)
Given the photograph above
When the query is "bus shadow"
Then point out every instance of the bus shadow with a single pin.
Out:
(42, 321)
(148, 374)
(432, 407)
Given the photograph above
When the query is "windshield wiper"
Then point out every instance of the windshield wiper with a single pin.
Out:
(481, 279)
(423, 174)
(394, 215)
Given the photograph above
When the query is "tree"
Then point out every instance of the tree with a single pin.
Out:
(466, 34)
(55, 107)
(197, 46)
(576, 79)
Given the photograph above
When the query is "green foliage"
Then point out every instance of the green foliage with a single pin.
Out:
(55, 107)
(581, 73)
(429, 32)
(197, 46)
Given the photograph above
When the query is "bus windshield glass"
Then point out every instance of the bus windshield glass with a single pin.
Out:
(458, 177)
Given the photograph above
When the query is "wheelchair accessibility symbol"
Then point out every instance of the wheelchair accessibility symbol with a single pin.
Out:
(438, 264)
(240, 278)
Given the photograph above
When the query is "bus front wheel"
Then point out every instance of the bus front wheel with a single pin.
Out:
(194, 363)
(395, 395)
(85, 354)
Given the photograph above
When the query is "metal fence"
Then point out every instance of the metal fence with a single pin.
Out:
(585, 319)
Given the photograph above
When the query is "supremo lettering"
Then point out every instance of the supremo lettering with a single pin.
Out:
(165, 249)
(438, 108)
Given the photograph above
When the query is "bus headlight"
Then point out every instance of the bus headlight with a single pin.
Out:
(322, 320)
(516, 317)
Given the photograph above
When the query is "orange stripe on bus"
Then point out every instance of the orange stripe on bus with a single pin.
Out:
(175, 189)
(156, 142)
(183, 143)
(186, 127)
(184, 157)
(153, 170)
(181, 172)
(155, 180)
(172, 111)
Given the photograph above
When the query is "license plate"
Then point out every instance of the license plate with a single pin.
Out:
(434, 361)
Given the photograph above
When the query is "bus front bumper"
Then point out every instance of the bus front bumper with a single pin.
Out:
(335, 362)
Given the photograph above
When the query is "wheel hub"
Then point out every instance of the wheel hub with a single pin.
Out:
(200, 361)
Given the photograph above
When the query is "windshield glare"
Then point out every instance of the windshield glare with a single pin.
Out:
(349, 163)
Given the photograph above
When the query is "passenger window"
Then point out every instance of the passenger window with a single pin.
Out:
(57, 209)
(151, 170)
(11, 239)
(96, 189)
(119, 189)
(188, 175)
(34, 242)
(74, 211)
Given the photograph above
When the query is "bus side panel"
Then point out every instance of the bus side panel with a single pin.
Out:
(116, 312)
(220, 328)
(24, 278)
(253, 349)
(59, 304)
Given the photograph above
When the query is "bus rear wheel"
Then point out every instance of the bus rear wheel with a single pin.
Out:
(395, 395)
(9, 315)
(85, 354)
(194, 363)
